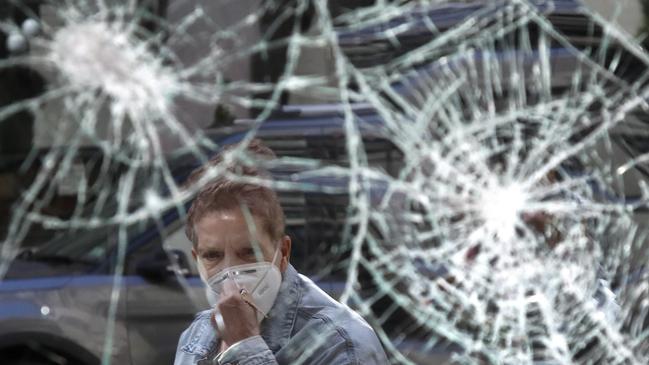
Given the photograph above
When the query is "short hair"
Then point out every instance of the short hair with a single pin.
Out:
(222, 193)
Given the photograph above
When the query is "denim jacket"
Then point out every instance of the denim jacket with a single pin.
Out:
(304, 326)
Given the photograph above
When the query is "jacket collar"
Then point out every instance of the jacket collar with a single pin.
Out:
(277, 328)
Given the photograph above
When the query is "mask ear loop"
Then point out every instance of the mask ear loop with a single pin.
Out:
(246, 298)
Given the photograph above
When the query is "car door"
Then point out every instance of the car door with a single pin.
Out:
(160, 306)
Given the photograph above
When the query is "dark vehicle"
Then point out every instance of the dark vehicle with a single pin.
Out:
(55, 299)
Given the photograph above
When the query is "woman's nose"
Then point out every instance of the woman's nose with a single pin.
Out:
(230, 260)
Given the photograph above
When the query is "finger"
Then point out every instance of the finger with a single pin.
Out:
(230, 298)
(248, 299)
(230, 287)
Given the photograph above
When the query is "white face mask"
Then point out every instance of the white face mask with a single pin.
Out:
(260, 279)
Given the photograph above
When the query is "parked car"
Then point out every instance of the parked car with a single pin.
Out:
(54, 301)
(55, 298)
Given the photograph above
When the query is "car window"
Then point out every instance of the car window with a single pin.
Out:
(150, 243)
(81, 244)
(177, 240)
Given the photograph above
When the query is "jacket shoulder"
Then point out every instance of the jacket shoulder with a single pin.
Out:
(199, 338)
(323, 317)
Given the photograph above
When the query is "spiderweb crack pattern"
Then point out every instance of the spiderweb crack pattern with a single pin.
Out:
(500, 239)
(500, 252)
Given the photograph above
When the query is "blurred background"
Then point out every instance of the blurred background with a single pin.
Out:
(106, 107)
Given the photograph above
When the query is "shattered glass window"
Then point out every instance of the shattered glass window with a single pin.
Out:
(469, 176)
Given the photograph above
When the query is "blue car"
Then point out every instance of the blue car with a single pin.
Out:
(55, 299)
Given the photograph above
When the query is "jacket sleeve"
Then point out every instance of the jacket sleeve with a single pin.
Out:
(196, 344)
(329, 349)
(333, 345)
(325, 339)
(251, 351)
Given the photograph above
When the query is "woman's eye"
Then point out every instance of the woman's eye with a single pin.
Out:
(211, 256)
(248, 252)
